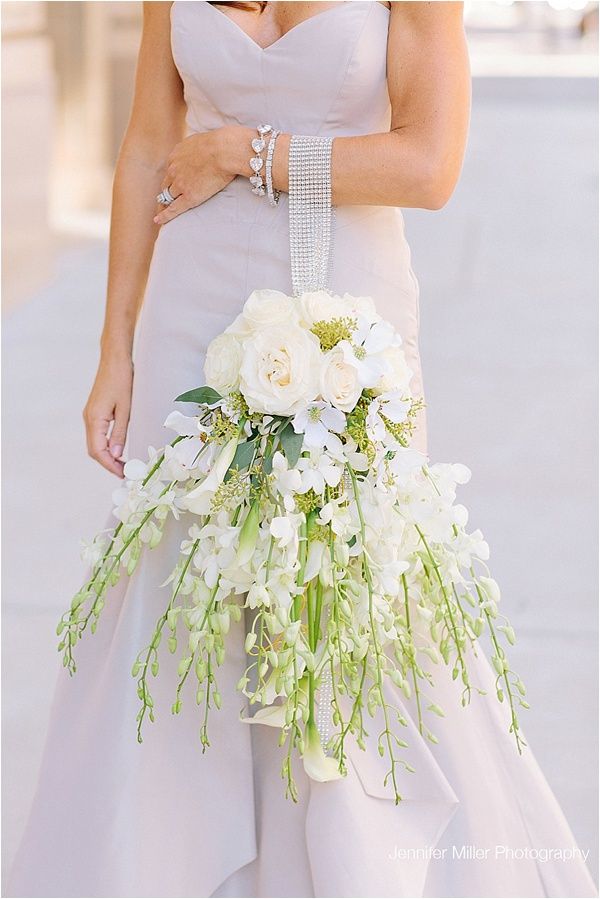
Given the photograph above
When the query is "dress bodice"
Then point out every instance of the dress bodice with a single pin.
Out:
(327, 75)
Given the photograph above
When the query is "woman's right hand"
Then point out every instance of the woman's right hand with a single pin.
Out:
(109, 402)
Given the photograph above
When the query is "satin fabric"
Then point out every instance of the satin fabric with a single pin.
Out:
(114, 818)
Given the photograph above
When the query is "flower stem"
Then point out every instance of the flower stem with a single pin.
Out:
(411, 657)
(378, 652)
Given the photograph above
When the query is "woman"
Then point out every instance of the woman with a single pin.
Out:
(390, 83)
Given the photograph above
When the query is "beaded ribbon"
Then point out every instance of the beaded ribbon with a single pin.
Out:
(310, 212)
(310, 216)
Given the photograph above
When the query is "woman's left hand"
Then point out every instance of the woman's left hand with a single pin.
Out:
(199, 166)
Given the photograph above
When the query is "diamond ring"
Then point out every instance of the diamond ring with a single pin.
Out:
(165, 197)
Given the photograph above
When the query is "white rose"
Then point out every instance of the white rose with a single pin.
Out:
(279, 372)
(318, 305)
(339, 381)
(264, 308)
(239, 327)
(399, 376)
(222, 363)
(364, 306)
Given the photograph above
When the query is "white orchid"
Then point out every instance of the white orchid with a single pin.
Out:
(367, 350)
(399, 374)
(93, 550)
(281, 586)
(491, 587)
(135, 469)
(320, 422)
(184, 425)
(391, 406)
(317, 469)
(285, 528)
(286, 480)
(191, 455)
(339, 516)
(405, 462)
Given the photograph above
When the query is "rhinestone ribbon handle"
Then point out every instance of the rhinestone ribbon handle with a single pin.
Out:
(310, 212)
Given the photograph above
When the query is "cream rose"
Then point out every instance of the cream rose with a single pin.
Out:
(399, 375)
(265, 308)
(239, 327)
(318, 305)
(339, 381)
(222, 364)
(279, 372)
(364, 306)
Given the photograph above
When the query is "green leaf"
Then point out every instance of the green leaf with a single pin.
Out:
(243, 455)
(291, 444)
(201, 395)
(267, 463)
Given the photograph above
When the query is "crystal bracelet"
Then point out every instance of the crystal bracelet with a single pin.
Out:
(256, 163)
(272, 195)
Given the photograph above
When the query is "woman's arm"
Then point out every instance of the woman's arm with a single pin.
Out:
(416, 163)
(156, 123)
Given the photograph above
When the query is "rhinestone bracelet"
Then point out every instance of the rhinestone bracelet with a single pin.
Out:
(256, 163)
(272, 195)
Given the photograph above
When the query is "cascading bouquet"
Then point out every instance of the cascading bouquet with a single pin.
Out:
(308, 507)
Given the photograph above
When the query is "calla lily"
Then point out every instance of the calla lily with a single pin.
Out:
(317, 765)
(198, 500)
(248, 535)
(271, 715)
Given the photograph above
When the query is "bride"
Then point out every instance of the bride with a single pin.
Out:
(389, 82)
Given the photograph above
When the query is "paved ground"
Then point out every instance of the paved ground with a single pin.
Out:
(508, 309)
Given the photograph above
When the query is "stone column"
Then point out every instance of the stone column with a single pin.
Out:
(28, 127)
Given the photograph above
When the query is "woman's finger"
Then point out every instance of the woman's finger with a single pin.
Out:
(97, 443)
(118, 435)
(181, 204)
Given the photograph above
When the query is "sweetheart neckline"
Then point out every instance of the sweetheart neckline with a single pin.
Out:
(299, 26)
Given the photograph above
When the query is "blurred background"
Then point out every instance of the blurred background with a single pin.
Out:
(508, 281)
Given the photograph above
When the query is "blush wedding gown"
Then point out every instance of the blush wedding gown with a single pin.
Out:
(115, 818)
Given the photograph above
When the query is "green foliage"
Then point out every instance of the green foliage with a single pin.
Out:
(204, 396)
(291, 444)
